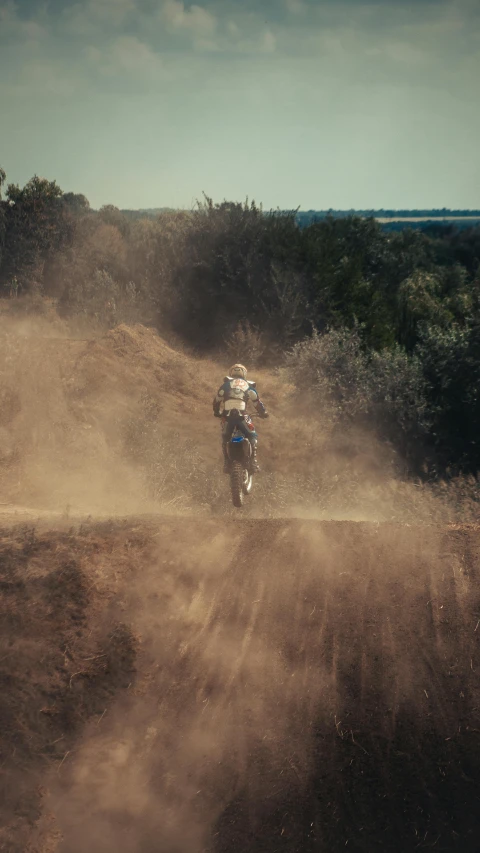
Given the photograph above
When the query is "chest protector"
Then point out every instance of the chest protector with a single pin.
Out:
(236, 393)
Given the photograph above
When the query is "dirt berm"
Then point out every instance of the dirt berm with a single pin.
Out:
(194, 686)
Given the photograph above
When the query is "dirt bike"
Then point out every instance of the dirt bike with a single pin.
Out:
(239, 452)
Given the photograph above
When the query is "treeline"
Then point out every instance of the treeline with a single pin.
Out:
(430, 226)
(147, 213)
(381, 213)
(307, 217)
(386, 325)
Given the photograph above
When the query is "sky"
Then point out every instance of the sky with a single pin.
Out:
(314, 104)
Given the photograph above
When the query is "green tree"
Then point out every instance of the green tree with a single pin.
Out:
(345, 260)
(450, 360)
(76, 202)
(111, 215)
(420, 302)
(239, 265)
(36, 226)
(3, 178)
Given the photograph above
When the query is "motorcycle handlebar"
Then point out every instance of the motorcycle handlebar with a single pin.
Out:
(251, 414)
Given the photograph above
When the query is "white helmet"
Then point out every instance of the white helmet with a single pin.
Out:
(238, 370)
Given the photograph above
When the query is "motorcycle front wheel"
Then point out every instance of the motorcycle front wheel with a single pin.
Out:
(236, 483)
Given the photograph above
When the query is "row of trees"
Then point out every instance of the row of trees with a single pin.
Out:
(306, 217)
(231, 274)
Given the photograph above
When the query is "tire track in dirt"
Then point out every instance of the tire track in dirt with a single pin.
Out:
(301, 686)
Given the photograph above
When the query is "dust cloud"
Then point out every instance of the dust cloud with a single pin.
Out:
(301, 683)
(68, 408)
(214, 689)
(298, 684)
(54, 454)
(120, 424)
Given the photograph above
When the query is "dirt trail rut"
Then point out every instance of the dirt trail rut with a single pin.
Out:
(298, 686)
(204, 684)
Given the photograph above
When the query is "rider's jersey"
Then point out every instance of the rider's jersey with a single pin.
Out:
(235, 394)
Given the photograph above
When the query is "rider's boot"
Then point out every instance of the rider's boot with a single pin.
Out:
(254, 466)
(226, 460)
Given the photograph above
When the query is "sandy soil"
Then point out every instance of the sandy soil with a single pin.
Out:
(179, 678)
(297, 686)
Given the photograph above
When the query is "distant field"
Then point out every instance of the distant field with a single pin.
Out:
(428, 219)
(393, 220)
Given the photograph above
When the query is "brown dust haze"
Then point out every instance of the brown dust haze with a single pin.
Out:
(185, 678)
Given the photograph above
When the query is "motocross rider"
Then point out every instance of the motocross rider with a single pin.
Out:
(235, 393)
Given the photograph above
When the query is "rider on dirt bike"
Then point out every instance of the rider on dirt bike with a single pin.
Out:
(234, 393)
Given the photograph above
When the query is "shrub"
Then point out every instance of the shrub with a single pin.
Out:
(350, 386)
(105, 300)
(246, 343)
(451, 364)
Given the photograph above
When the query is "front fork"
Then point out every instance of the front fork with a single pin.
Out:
(253, 442)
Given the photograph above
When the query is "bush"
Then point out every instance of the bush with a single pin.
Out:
(451, 364)
(105, 300)
(350, 386)
(246, 343)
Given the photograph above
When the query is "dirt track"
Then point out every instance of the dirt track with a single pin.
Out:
(298, 686)
(218, 682)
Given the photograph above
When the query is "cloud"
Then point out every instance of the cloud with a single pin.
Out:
(130, 54)
(14, 28)
(401, 52)
(126, 55)
(195, 20)
(41, 79)
(269, 42)
(233, 29)
(83, 19)
(115, 8)
(295, 7)
(141, 38)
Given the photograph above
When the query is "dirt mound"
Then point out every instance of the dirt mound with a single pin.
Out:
(122, 424)
(62, 658)
(133, 358)
(299, 687)
(70, 407)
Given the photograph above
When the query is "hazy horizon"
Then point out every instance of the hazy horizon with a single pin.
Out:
(340, 104)
(411, 210)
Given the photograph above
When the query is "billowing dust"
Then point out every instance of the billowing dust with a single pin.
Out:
(299, 684)
(122, 424)
(70, 412)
